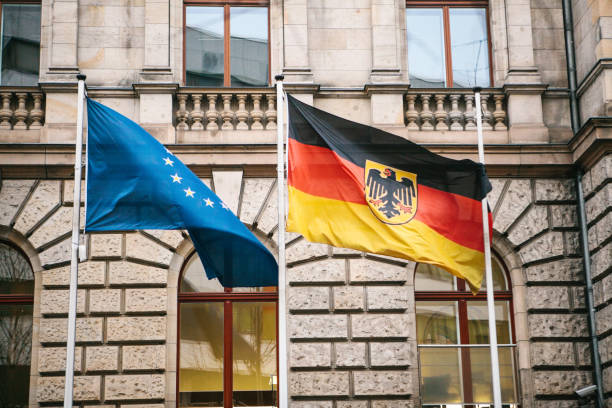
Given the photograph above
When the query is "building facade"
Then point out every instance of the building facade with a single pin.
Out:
(364, 331)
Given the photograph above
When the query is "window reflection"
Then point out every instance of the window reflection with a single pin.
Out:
(469, 47)
(204, 46)
(20, 44)
(425, 31)
(249, 46)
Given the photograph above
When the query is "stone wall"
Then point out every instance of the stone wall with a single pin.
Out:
(597, 184)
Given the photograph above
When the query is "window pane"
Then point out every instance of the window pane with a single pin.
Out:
(15, 351)
(20, 44)
(16, 275)
(425, 36)
(437, 322)
(195, 280)
(440, 375)
(478, 322)
(432, 277)
(204, 46)
(254, 353)
(249, 46)
(469, 47)
(201, 355)
(480, 364)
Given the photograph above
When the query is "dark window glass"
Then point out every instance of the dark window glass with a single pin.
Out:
(204, 46)
(249, 46)
(20, 44)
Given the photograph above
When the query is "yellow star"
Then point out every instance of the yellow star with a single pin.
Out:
(168, 162)
(188, 192)
(176, 178)
(209, 203)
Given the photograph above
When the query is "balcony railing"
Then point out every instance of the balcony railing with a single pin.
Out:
(21, 109)
(454, 109)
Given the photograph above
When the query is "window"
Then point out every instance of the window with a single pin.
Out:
(227, 342)
(227, 44)
(452, 331)
(20, 44)
(16, 300)
(448, 43)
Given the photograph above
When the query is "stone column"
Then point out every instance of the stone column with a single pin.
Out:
(157, 42)
(385, 52)
(60, 32)
(296, 64)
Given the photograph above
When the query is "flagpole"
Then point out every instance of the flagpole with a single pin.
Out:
(283, 377)
(74, 262)
(488, 271)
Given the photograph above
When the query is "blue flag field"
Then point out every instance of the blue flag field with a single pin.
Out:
(134, 182)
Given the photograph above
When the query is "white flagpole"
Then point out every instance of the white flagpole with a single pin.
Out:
(74, 262)
(283, 377)
(488, 271)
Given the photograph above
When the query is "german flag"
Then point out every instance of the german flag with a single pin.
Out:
(354, 186)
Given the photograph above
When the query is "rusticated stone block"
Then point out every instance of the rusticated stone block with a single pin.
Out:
(268, 219)
(497, 187)
(88, 330)
(103, 358)
(311, 404)
(578, 298)
(255, 191)
(56, 302)
(549, 326)
(51, 389)
(555, 404)
(604, 319)
(601, 261)
(387, 298)
(563, 270)
(134, 387)
(532, 223)
(597, 204)
(390, 354)
(12, 194)
(319, 383)
(151, 357)
(136, 328)
(605, 349)
(310, 355)
(382, 383)
(308, 298)
(563, 216)
(68, 197)
(350, 354)
(555, 190)
(53, 359)
(90, 274)
(348, 298)
(352, 404)
(583, 354)
(170, 237)
(139, 247)
(559, 382)
(393, 404)
(516, 199)
(607, 380)
(324, 271)
(58, 224)
(380, 326)
(46, 196)
(604, 228)
(106, 245)
(58, 253)
(105, 301)
(145, 300)
(303, 250)
(601, 171)
(129, 274)
(572, 243)
(547, 297)
(546, 246)
(318, 327)
(363, 270)
(552, 354)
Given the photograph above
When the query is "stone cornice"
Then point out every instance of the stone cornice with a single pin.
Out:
(593, 74)
(593, 140)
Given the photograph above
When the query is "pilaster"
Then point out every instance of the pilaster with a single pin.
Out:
(157, 67)
(61, 20)
(385, 42)
(296, 64)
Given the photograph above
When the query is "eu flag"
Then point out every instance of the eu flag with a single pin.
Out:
(134, 182)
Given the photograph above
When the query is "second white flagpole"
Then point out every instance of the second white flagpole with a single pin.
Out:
(495, 378)
(74, 261)
(283, 371)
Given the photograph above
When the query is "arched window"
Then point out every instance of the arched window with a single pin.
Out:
(452, 338)
(16, 302)
(227, 342)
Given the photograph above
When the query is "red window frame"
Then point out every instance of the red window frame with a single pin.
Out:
(228, 297)
(462, 296)
(445, 5)
(226, 31)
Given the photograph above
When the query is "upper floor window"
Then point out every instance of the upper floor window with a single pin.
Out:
(227, 44)
(448, 43)
(16, 303)
(453, 337)
(20, 44)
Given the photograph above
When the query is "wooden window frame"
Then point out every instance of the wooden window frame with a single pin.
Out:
(227, 4)
(462, 296)
(228, 297)
(445, 5)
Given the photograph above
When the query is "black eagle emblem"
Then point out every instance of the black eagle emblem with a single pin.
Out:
(390, 196)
